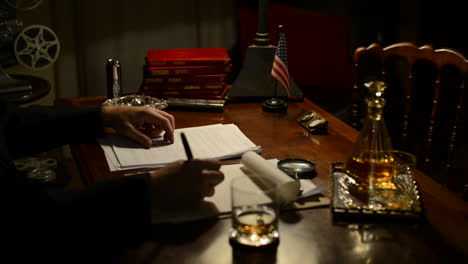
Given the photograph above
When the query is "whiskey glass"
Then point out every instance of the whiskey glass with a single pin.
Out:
(255, 209)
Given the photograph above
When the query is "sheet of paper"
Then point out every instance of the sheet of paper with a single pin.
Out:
(221, 142)
(213, 141)
(222, 197)
(219, 204)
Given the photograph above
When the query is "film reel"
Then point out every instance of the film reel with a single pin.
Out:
(36, 47)
(47, 175)
(24, 4)
(26, 164)
(40, 169)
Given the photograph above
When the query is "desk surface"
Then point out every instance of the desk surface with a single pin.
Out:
(307, 236)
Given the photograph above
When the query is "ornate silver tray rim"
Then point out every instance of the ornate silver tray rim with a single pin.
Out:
(346, 205)
(137, 100)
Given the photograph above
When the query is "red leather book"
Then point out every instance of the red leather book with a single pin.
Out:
(188, 70)
(198, 94)
(187, 57)
(187, 79)
(209, 97)
(184, 87)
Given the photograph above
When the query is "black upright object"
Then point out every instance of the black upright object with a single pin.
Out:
(254, 80)
(275, 104)
(114, 78)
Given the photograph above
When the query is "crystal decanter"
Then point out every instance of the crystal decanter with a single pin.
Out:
(370, 164)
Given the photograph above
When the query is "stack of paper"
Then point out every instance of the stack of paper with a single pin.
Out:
(213, 141)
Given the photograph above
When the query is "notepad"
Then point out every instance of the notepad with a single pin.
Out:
(219, 141)
(252, 165)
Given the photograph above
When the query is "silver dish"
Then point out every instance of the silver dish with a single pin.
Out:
(136, 100)
(345, 206)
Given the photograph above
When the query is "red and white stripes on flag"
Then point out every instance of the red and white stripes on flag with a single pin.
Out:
(280, 64)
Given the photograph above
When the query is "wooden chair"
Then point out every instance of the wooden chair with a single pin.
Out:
(424, 104)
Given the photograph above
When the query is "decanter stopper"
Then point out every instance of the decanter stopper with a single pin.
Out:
(376, 89)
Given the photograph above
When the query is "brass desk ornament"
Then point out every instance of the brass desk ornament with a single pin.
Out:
(313, 122)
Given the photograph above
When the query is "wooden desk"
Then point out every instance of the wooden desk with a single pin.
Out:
(307, 236)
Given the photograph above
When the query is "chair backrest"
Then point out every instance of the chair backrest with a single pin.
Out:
(424, 100)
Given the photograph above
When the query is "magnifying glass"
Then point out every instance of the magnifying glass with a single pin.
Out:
(298, 169)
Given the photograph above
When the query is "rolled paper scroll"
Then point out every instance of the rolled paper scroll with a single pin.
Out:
(268, 174)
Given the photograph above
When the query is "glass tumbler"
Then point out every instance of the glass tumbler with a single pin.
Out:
(255, 209)
(397, 191)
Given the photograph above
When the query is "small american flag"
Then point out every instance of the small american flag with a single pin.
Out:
(280, 64)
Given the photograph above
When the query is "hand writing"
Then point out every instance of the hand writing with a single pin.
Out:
(183, 183)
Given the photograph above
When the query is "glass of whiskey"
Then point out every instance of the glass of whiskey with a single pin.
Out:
(255, 209)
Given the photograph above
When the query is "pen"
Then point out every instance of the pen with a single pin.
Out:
(187, 149)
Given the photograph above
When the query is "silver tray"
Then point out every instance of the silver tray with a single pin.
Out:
(348, 207)
(136, 100)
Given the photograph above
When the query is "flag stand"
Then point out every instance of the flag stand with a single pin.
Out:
(275, 104)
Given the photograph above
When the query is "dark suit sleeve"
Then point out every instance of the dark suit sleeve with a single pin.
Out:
(114, 210)
(64, 225)
(83, 223)
(35, 129)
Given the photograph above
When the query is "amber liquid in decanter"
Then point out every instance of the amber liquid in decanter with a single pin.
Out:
(370, 160)
(362, 168)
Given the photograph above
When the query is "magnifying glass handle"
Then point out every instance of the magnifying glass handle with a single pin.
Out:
(296, 177)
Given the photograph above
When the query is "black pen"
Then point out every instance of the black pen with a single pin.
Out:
(187, 149)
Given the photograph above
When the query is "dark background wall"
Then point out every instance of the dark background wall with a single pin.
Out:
(440, 23)
(444, 24)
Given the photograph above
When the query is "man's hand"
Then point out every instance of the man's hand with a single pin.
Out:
(184, 183)
(139, 123)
